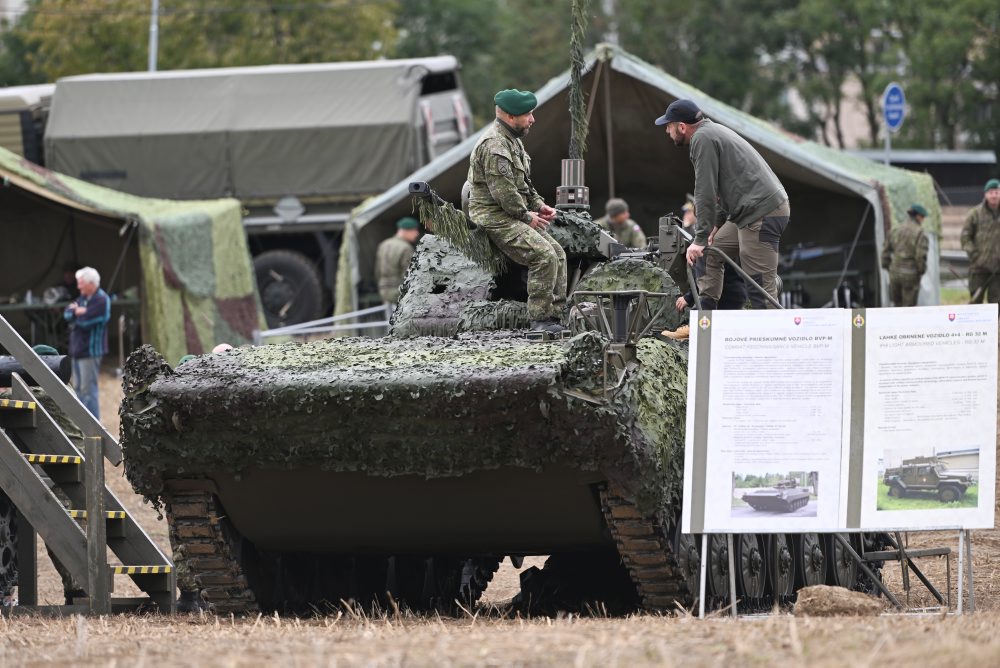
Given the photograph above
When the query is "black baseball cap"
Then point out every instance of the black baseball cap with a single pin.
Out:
(680, 111)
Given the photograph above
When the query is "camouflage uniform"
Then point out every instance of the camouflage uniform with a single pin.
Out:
(981, 242)
(391, 260)
(500, 198)
(628, 233)
(905, 257)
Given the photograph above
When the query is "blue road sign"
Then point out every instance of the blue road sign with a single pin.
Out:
(893, 106)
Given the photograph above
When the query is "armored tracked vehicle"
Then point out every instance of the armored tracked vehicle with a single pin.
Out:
(402, 470)
(926, 476)
(785, 497)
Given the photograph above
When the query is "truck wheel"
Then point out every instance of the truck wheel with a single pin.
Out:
(896, 490)
(290, 288)
(949, 493)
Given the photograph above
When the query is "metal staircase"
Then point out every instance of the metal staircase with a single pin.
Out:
(41, 468)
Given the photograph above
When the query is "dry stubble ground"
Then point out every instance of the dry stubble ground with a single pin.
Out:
(345, 640)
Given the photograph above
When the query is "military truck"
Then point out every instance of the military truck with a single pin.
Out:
(23, 111)
(925, 476)
(299, 145)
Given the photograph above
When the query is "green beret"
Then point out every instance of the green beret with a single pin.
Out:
(991, 184)
(918, 210)
(186, 358)
(515, 102)
(42, 349)
(407, 223)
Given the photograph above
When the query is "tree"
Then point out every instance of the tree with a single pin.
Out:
(465, 29)
(951, 56)
(66, 37)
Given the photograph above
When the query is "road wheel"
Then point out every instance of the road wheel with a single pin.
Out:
(290, 288)
(687, 552)
(949, 493)
(781, 564)
(843, 571)
(751, 573)
(718, 566)
(810, 560)
(8, 545)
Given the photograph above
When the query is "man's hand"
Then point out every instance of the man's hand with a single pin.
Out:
(546, 213)
(711, 235)
(681, 304)
(694, 252)
(79, 310)
(537, 221)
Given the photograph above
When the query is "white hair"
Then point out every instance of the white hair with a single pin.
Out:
(89, 275)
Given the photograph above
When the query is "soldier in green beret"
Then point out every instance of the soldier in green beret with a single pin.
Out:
(393, 257)
(981, 242)
(503, 201)
(905, 257)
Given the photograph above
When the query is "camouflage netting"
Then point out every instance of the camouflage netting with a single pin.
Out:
(446, 293)
(634, 274)
(198, 282)
(427, 406)
(449, 223)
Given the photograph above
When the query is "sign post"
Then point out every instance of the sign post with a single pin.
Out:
(893, 111)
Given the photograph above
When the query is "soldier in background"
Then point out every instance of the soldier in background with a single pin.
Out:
(504, 203)
(393, 257)
(905, 257)
(617, 221)
(981, 242)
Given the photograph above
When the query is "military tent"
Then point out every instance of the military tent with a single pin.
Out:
(842, 205)
(185, 263)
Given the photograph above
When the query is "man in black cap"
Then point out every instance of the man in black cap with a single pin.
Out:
(742, 207)
(503, 201)
(904, 256)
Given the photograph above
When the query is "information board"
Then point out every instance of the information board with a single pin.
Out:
(823, 419)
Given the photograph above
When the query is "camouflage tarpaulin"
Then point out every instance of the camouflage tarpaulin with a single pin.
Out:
(197, 279)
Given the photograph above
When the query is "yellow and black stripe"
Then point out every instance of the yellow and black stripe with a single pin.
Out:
(140, 570)
(54, 459)
(110, 514)
(15, 404)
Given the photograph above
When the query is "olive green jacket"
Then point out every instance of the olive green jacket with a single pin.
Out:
(628, 233)
(500, 179)
(981, 239)
(391, 260)
(905, 251)
(731, 180)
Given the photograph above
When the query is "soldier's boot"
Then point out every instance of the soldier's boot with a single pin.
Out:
(682, 333)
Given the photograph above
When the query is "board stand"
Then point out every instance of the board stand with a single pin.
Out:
(965, 561)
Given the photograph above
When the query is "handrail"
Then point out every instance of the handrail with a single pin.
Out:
(55, 388)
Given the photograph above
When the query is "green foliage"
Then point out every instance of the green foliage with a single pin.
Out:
(67, 37)
(796, 62)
